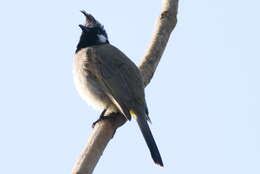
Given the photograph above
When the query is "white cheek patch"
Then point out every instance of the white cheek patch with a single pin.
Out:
(102, 38)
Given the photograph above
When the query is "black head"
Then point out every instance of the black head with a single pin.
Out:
(93, 33)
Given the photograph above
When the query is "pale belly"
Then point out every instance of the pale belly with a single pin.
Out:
(89, 90)
(88, 87)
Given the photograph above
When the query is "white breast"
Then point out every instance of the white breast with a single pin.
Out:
(87, 87)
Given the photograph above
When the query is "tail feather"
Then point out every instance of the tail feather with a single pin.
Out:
(147, 134)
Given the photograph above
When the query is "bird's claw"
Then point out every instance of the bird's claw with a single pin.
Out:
(101, 117)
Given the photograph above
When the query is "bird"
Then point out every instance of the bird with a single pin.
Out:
(109, 81)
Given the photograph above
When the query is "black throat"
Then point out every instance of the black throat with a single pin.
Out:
(88, 41)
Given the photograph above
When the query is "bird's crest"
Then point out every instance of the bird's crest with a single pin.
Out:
(91, 21)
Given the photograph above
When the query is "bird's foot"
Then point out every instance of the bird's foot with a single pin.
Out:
(101, 117)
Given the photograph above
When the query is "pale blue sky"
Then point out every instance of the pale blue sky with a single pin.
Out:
(204, 99)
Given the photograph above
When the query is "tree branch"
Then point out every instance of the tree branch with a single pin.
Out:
(105, 129)
(165, 24)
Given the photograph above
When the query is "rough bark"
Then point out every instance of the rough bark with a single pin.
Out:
(105, 129)
(165, 24)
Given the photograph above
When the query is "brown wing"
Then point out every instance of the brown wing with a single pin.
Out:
(120, 78)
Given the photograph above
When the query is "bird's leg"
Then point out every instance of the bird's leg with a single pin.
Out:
(101, 117)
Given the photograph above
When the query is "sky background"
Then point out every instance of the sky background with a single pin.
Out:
(204, 99)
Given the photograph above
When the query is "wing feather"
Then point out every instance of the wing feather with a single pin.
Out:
(121, 79)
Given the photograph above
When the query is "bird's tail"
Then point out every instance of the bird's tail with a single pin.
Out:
(143, 125)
